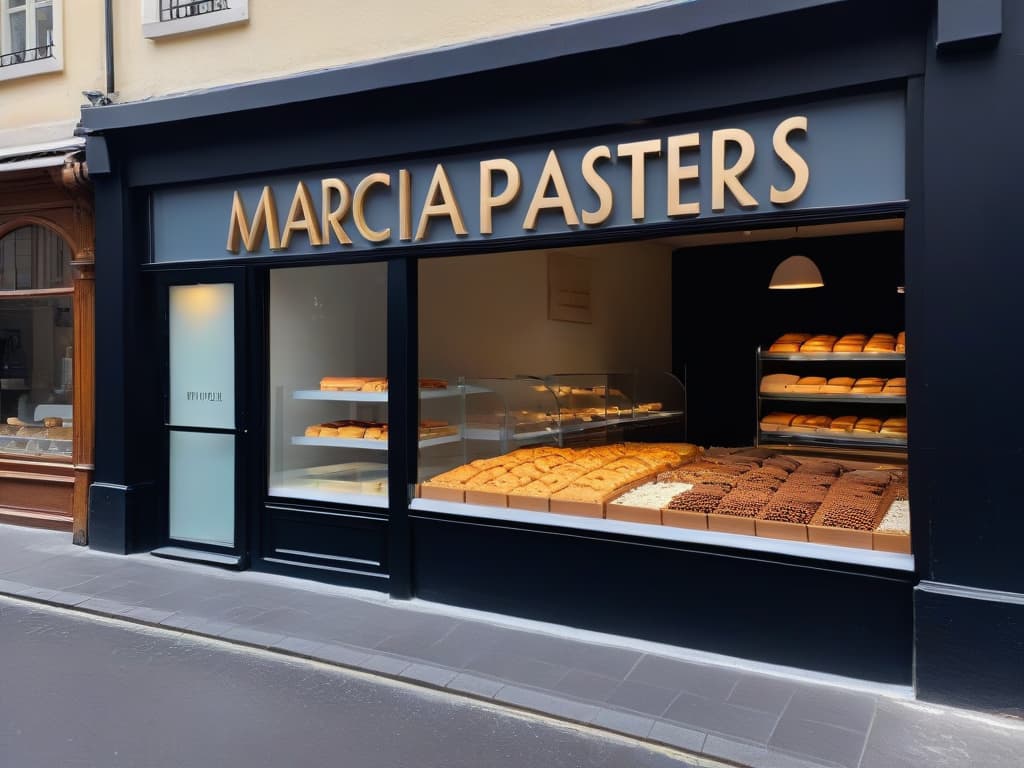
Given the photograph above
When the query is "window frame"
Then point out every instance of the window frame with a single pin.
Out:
(52, 63)
(153, 27)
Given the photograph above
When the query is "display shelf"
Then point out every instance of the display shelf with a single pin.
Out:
(373, 445)
(835, 398)
(485, 433)
(835, 357)
(381, 397)
(845, 440)
(39, 438)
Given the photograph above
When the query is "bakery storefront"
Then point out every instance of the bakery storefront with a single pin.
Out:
(640, 367)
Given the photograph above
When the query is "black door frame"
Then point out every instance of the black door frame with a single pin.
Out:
(237, 276)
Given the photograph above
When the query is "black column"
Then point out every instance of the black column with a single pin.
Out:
(403, 416)
(121, 516)
(963, 336)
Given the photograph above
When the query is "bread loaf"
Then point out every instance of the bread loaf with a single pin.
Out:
(901, 342)
(868, 424)
(851, 342)
(895, 386)
(837, 385)
(881, 342)
(896, 427)
(869, 385)
(778, 419)
(808, 384)
(777, 382)
(820, 343)
(843, 423)
(342, 383)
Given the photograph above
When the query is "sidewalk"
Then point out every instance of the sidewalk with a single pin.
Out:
(735, 713)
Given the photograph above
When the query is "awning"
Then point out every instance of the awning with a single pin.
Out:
(30, 156)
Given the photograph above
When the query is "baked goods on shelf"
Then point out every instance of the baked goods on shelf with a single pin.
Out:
(838, 385)
(789, 342)
(851, 342)
(901, 342)
(777, 420)
(820, 343)
(868, 424)
(881, 342)
(370, 384)
(896, 427)
(776, 383)
(868, 385)
(375, 430)
(895, 386)
(843, 423)
(807, 385)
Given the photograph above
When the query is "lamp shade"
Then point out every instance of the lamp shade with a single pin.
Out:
(796, 272)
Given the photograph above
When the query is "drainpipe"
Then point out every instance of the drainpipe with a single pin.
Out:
(108, 12)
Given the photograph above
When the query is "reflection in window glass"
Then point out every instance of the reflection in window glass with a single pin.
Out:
(328, 383)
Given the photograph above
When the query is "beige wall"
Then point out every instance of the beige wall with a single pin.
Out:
(45, 107)
(287, 37)
(487, 316)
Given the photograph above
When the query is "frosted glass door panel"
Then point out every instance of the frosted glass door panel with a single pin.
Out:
(202, 347)
(202, 487)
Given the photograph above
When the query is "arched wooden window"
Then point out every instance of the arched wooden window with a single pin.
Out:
(36, 343)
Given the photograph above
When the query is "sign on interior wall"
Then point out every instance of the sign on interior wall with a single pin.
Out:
(569, 288)
(826, 154)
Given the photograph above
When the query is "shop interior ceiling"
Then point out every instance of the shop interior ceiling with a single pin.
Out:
(783, 233)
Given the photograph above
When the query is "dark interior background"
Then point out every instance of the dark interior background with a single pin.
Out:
(723, 310)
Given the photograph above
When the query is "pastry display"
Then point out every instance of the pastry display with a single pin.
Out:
(838, 385)
(807, 385)
(589, 475)
(789, 342)
(820, 343)
(370, 384)
(869, 385)
(375, 430)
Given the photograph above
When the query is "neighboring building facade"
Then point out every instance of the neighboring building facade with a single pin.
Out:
(450, 212)
(50, 51)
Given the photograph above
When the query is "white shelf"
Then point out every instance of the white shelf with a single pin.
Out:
(371, 445)
(484, 433)
(382, 397)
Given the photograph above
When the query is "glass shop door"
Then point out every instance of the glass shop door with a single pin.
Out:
(203, 315)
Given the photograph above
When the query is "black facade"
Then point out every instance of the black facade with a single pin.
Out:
(646, 68)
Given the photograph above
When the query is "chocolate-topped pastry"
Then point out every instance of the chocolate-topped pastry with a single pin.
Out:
(743, 503)
(876, 477)
(772, 471)
(781, 462)
(798, 479)
(815, 493)
(700, 498)
(789, 510)
(758, 483)
(819, 467)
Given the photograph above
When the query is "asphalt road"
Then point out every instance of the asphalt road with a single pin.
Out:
(77, 691)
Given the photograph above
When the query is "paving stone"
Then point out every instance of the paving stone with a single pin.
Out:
(818, 742)
(386, 665)
(428, 673)
(334, 653)
(539, 701)
(676, 736)
(599, 659)
(109, 607)
(37, 593)
(299, 646)
(623, 722)
(412, 644)
(518, 670)
(467, 682)
(752, 755)
(11, 587)
(832, 707)
(587, 685)
(148, 615)
(247, 635)
(764, 694)
(69, 598)
(640, 697)
(721, 718)
(706, 681)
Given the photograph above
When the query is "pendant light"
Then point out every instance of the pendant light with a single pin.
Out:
(796, 272)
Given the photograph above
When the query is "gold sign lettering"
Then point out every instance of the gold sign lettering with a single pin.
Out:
(637, 152)
(599, 185)
(685, 195)
(264, 220)
(440, 201)
(334, 216)
(302, 203)
(796, 163)
(677, 174)
(722, 177)
(359, 207)
(551, 175)
(488, 200)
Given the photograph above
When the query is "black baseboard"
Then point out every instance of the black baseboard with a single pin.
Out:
(824, 617)
(122, 518)
(970, 647)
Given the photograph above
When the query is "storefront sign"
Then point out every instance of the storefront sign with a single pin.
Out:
(829, 154)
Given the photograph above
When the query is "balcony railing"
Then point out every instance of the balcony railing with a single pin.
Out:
(180, 9)
(29, 54)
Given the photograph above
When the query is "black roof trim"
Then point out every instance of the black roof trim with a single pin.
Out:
(678, 17)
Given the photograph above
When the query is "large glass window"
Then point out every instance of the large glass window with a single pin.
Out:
(328, 383)
(36, 343)
(791, 426)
